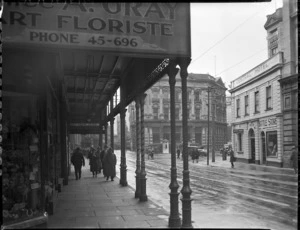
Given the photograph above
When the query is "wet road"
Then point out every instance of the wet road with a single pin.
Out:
(223, 197)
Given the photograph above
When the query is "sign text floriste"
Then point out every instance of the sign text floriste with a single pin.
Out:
(148, 28)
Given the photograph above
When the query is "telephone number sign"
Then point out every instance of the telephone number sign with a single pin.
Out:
(162, 28)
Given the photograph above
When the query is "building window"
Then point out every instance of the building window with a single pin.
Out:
(166, 136)
(256, 102)
(272, 144)
(197, 96)
(240, 142)
(287, 102)
(246, 105)
(166, 113)
(156, 138)
(269, 97)
(197, 113)
(238, 108)
(155, 113)
(274, 51)
(177, 96)
(177, 113)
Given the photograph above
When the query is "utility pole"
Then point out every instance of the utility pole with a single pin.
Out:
(213, 130)
(208, 126)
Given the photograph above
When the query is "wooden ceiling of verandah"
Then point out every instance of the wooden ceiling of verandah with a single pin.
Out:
(92, 78)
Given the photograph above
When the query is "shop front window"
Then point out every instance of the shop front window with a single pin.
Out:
(272, 144)
(21, 179)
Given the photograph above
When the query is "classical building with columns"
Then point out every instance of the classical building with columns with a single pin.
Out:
(157, 111)
(264, 99)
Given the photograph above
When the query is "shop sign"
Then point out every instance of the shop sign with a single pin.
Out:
(261, 68)
(149, 28)
(268, 123)
(238, 130)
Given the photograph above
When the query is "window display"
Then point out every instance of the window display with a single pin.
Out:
(272, 144)
(21, 179)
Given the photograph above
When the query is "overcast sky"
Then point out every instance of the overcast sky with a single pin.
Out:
(225, 34)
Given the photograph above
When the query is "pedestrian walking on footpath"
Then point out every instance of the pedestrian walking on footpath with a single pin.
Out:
(77, 160)
(178, 153)
(232, 158)
(294, 159)
(110, 161)
(93, 161)
(99, 162)
(102, 154)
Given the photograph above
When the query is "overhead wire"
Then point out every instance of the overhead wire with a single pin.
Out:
(227, 35)
(242, 61)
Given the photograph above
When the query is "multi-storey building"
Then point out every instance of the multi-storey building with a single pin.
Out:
(157, 111)
(264, 100)
(229, 119)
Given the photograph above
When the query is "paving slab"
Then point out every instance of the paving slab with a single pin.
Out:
(97, 203)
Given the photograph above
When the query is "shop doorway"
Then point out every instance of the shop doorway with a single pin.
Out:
(263, 148)
(252, 145)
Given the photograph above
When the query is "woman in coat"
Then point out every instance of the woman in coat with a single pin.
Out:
(93, 162)
(232, 159)
(110, 161)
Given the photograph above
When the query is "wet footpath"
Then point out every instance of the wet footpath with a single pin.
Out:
(97, 203)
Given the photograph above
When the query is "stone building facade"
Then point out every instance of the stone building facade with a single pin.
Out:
(264, 100)
(157, 111)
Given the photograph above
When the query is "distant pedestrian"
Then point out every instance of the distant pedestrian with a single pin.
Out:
(110, 161)
(232, 158)
(102, 154)
(99, 162)
(178, 153)
(77, 160)
(93, 161)
(294, 159)
(194, 155)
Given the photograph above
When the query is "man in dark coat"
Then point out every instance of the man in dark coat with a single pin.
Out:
(110, 161)
(294, 159)
(77, 160)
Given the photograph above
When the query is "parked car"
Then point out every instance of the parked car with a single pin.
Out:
(203, 151)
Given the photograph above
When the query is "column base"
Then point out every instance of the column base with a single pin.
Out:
(123, 182)
(174, 222)
(137, 186)
(143, 198)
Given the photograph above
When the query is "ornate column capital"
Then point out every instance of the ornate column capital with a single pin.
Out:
(141, 98)
(184, 63)
(172, 71)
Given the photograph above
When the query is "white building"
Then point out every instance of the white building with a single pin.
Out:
(264, 99)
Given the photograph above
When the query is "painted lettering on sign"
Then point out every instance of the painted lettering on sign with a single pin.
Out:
(263, 67)
(269, 122)
(111, 25)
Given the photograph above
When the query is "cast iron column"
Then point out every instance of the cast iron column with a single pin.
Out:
(105, 133)
(143, 195)
(112, 123)
(138, 159)
(186, 190)
(63, 129)
(174, 219)
(100, 136)
(112, 132)
(123, 166)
